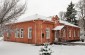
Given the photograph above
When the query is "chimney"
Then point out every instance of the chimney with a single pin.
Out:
(55, 18)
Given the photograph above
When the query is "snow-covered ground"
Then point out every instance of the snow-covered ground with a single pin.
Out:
(79, 42)
(13, 48)
(1, 38)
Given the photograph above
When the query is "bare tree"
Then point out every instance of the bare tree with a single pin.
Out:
(81, 14)
(9, 11)
(62, 15)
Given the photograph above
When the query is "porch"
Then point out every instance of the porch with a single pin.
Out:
(58, 33)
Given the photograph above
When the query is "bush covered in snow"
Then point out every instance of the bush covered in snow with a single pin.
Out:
(45, 50)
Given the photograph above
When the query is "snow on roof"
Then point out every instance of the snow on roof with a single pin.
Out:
(67, 23)
(58, 27)
(49, 18)
(32, 17)
(40, 17)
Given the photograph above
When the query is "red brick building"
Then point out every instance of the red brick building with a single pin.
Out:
(38, 29)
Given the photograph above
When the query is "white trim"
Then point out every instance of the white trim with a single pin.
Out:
(17, 33)
(48, 33)
(8, 34)
(69, 33)
(28, 33)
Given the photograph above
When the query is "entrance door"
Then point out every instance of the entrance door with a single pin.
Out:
(56, 36)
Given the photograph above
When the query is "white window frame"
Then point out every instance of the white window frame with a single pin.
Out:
(21, 33)
(69, 33)
(47, 33)
(17, 32)
(8, 34)
(30, 37)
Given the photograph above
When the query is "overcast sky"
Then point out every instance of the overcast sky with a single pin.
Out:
(47, 7)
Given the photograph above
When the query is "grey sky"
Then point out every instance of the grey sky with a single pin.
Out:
(47, 7)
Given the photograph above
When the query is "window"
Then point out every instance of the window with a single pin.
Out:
(64, 33)
(21, 33)
(8, 34)
(69, 33)
(47, 33)
(74, 33)
(17, 33)
(78, 33)
(29, 32)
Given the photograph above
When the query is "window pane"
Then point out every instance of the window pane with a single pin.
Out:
(47, 33)
(8, 34)
(29, 32)
(69, 33)
(64, 33)
(21, 33)
(17, 33)
(74, 34)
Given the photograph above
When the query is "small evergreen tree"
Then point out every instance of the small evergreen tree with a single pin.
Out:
(71, 13)
(45, 50)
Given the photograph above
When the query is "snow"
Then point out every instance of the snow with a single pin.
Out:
(11, 48)
(14, 48)
(32, 17)
(69, 50)
(58, 27)
(67, 23)
(41, 17)
(78, 42)
(1, 38)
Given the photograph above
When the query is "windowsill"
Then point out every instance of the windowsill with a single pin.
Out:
(16, 37)
(47, 38)
(29, 38)
(21, 37)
